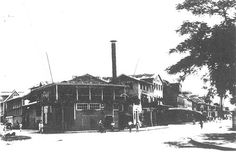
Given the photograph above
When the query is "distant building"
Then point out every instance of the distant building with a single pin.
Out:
(4, 97)
(13, 112)
(171, 93)
(182, 108)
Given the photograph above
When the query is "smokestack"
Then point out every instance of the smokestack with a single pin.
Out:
(113, 54)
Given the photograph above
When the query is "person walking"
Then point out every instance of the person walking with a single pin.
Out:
(201, 124)
(137, 126)
(112, 126)
(41, 127)
(130, 126)
(20, 126)
(101, 126)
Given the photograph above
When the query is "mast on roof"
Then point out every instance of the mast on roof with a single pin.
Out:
(49, 67)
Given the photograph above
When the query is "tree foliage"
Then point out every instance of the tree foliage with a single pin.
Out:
(210, 46)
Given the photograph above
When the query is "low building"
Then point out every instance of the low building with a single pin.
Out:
(4, 97)
(14, 111)
(183, 108)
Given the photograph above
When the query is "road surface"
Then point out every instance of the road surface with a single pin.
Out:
(171, 138)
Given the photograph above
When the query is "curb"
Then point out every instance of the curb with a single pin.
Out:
(125, 130)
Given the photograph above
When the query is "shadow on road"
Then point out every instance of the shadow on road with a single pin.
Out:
(223, 137)
(13, 138)
(180, 144)
(211, 141)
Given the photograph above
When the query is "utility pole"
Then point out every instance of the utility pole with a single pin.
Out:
(49, 67)
(136, 66)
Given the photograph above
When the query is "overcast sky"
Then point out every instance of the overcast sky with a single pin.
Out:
(76, 35)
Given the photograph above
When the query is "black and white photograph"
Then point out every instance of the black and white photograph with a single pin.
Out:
(117, 75)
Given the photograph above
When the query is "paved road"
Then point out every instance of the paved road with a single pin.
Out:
(171, 138)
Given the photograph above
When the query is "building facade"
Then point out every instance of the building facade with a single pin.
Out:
(13, 113)
(4, 97)
(147, 90)
(77, 104)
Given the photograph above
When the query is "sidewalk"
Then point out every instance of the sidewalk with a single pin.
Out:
(216, 136)
(125, 130)
(30, 131)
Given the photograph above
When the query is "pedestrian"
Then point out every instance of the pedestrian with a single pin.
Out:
(130, 126)
(17, 124)
(201, 124)
(137, 126)
(101, 126)
(20, 126)
(41, 127)
(112, 126)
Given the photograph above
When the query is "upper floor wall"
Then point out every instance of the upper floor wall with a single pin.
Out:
(83, 93)
(14, 107)
(150, 87)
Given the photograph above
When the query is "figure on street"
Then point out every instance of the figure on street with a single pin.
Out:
(130, 125)
(101, 127)
(41, 127)
(201, 124)
(20, 126)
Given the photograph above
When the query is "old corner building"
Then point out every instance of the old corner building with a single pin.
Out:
(77, 104)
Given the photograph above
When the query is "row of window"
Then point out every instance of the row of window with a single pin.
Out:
(16, 106)
(88, 106)
(15, 112)
(67, 91)
(151, 88)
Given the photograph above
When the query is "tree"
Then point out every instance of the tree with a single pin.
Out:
(213, 47)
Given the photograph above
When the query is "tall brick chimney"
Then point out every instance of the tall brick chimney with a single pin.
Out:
(113, 54)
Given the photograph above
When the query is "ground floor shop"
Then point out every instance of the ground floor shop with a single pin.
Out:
(74, 116)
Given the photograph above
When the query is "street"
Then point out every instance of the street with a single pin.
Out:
(160, 138)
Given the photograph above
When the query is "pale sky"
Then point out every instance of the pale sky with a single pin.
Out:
(76, 35)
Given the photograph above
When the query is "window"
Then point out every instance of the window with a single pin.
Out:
(96, 94)
(87, 106)
(83, 93)
(94, 106)
(82, 106)
(108, 93)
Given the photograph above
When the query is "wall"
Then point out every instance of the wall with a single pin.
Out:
(87, 120)
(31, 119)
